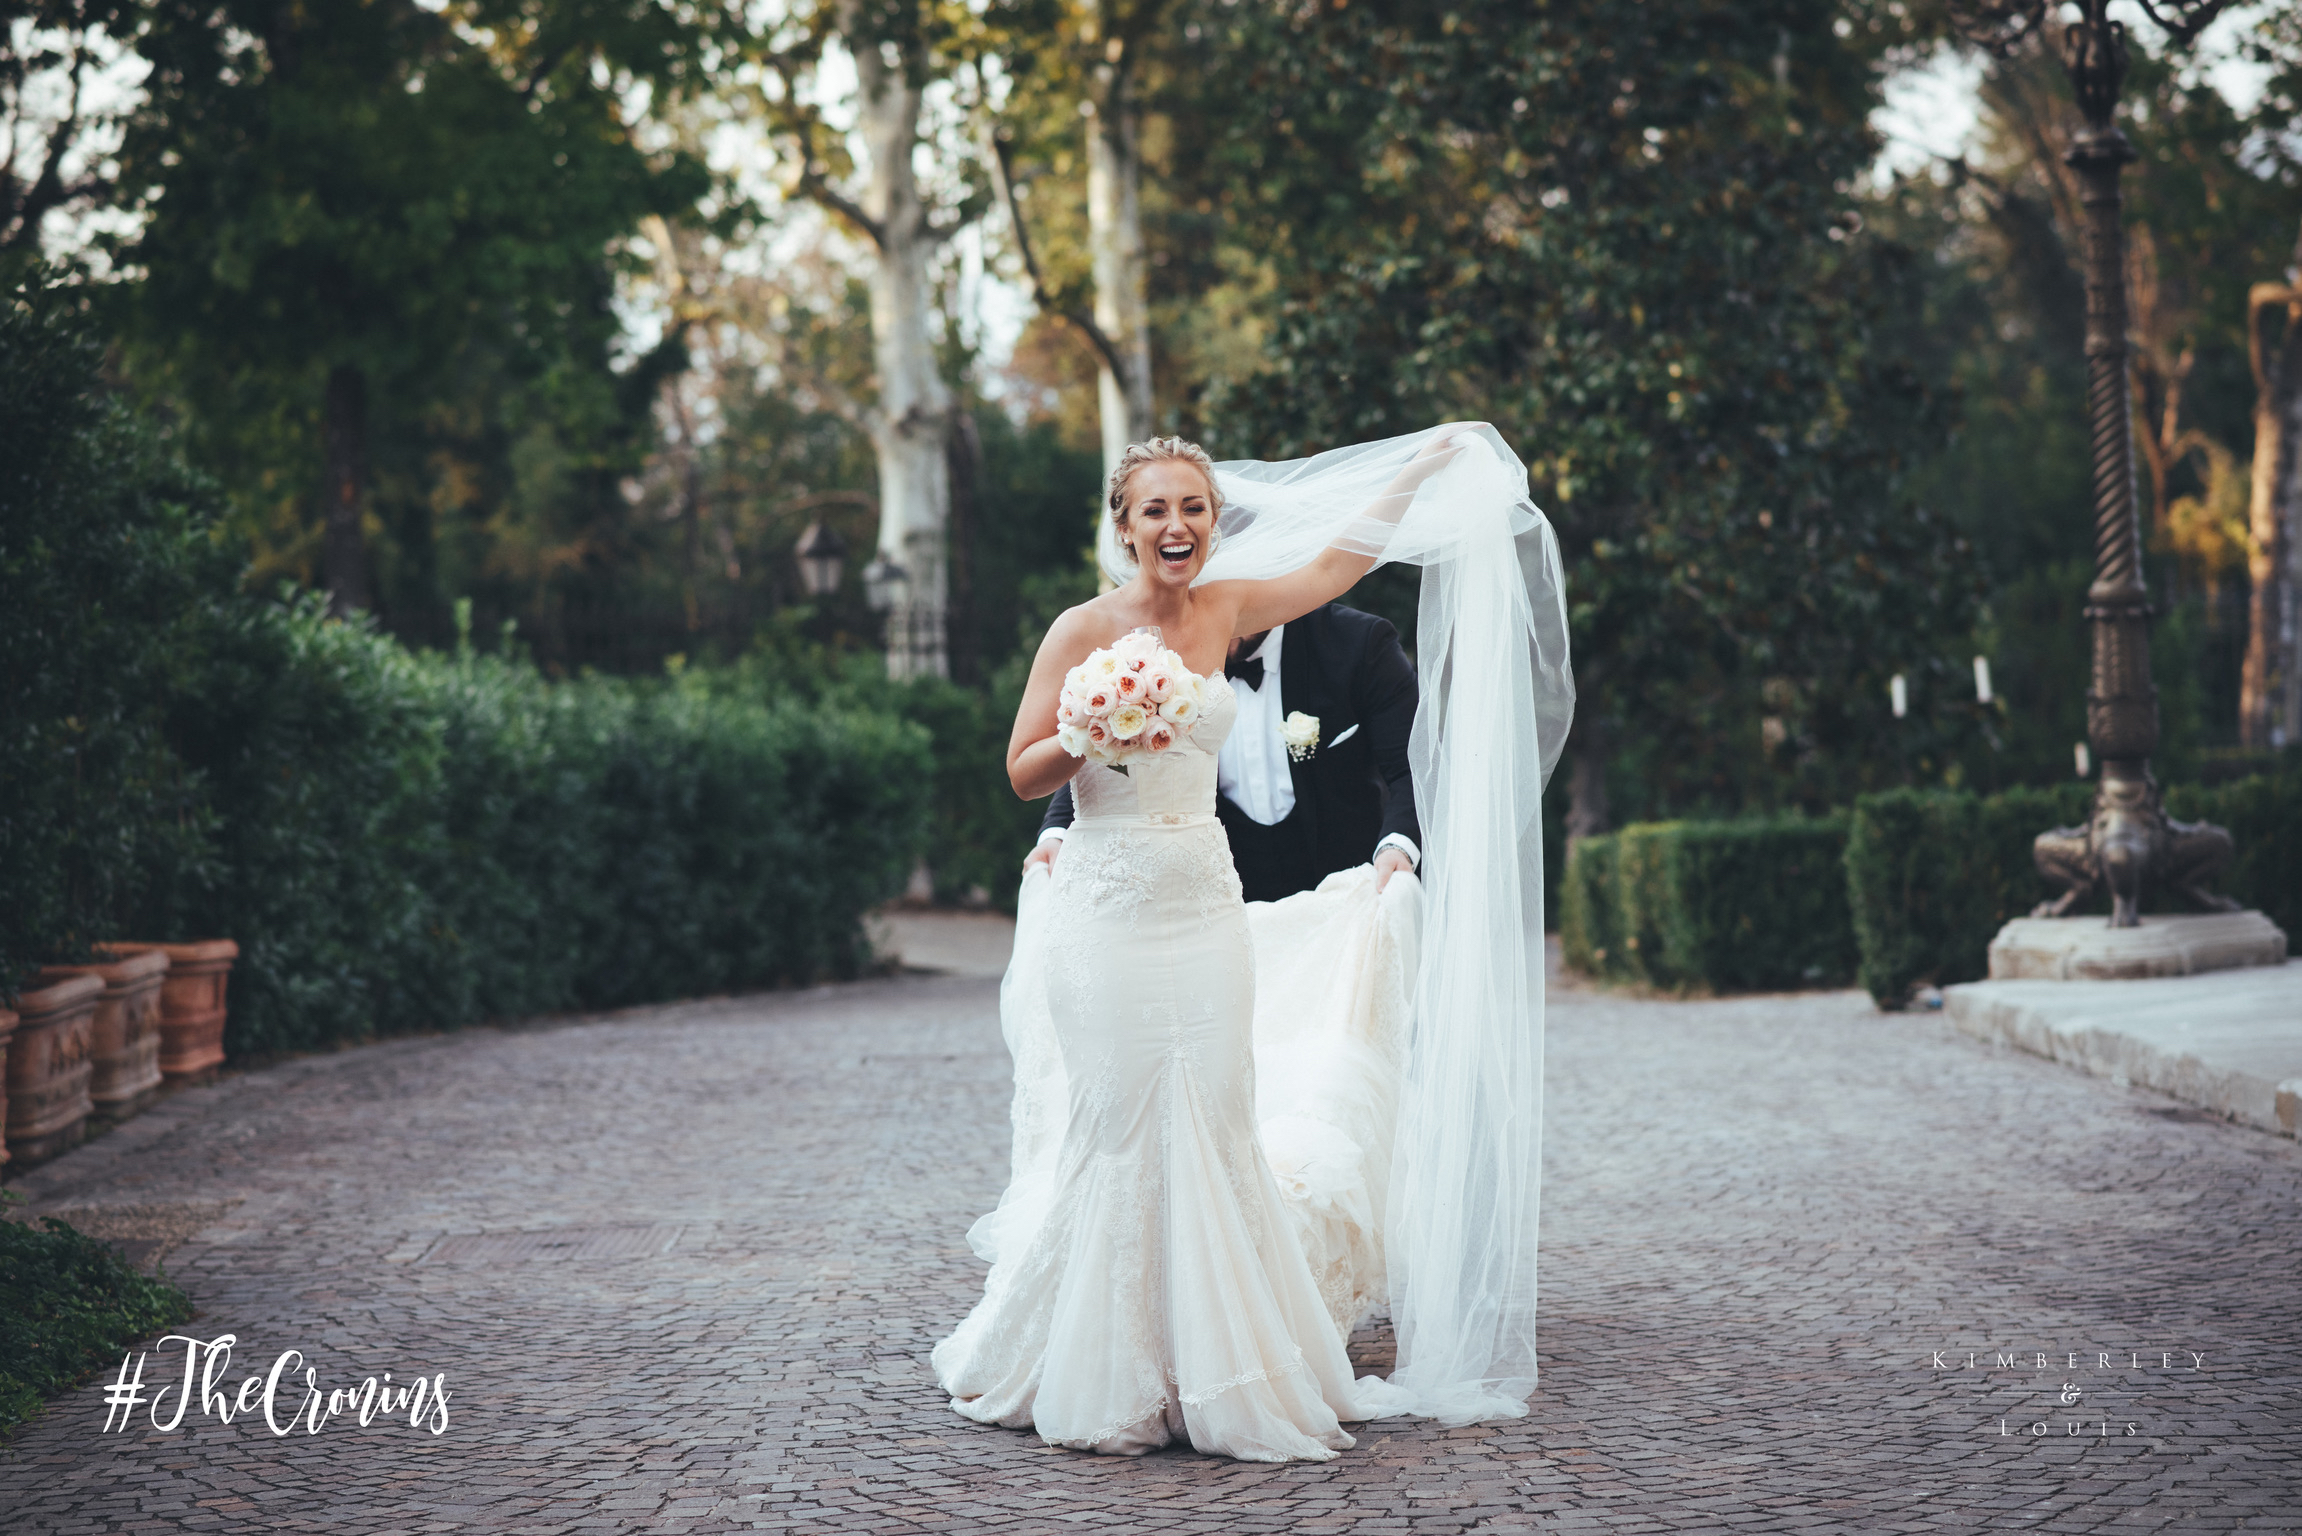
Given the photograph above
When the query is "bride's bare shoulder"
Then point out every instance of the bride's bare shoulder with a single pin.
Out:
(1078, 631)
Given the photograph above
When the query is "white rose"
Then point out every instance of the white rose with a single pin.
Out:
(1073, 740)
(1101, 667)
(1301, 734)
(1128, 720)
(1130, 648)
(1181, 707)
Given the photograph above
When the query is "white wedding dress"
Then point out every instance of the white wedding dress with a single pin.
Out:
(1237, 1129)
(1200, 1162)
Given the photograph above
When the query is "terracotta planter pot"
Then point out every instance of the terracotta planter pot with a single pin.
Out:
(124, 1042)
(191, 1004)
(48, 1068)
(7, 1032)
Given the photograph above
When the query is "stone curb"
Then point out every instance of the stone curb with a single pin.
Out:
(2227, 1041)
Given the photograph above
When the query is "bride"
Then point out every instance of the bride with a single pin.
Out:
(1151, 1279)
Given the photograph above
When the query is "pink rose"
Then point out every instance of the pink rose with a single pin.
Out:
(1159, 685)
(1099, 732)
(1128, 686)
(1159, 737)
(1100, 699)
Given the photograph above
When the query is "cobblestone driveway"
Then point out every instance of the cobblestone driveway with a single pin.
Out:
(1776, 1230)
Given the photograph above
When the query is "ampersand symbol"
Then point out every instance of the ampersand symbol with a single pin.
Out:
(2070, 1393)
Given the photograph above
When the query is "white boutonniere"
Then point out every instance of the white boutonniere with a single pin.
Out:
(1301, 734)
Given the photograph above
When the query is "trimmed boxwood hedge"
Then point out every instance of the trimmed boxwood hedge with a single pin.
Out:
(1933, 874)
(411, 841)
(1724, 906)
(1909, 890)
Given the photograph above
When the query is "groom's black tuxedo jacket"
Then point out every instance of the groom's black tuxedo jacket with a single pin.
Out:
(1347, 668)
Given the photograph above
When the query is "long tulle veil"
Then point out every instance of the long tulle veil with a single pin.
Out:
(1497, 697)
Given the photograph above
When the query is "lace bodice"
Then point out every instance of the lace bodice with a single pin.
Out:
(1180, 783)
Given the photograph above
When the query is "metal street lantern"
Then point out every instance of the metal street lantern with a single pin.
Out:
(885, 584)
(822, 556)
(2128, 839)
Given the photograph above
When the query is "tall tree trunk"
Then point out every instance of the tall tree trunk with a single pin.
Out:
(343, 547)
(911, 425)
(1115, 242)
(2270, 685)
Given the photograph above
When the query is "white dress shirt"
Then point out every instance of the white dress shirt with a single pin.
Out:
(1251, 770)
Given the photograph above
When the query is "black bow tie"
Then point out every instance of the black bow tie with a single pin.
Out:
(1248, 672)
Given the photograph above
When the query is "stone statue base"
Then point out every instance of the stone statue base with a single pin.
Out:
(2089, 949)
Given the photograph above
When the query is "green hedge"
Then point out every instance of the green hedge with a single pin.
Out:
(1590, 926)
(1724, 906)
(407, 841)
(68, 1307)
(1932, 875)
(396, 840)
(978, 831)
(2264, 815)
(106, 569)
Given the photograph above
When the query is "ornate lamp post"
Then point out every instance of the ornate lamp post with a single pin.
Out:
(2128, 840)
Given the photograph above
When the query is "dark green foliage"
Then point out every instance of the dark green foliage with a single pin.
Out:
(410, 841)
(1933, 875)
(2264, 817)
(1590, 918)
(1723, 905)
(397, 841)
(436, 206)
(976, 832)
(980, 831)
(105, 568)
(68, 1306)
(317, 765)
(1911, 889)
(1623, 234)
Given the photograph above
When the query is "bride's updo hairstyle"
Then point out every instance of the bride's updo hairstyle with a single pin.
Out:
(1159, 448)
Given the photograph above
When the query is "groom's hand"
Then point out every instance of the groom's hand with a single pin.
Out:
(1388, 863)
(1043, 856)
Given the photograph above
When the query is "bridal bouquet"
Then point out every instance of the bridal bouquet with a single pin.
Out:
(1132, 699)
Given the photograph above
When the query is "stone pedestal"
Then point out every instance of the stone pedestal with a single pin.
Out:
(2089, 949)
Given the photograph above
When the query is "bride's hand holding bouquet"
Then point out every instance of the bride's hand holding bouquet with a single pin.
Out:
(1131, 699)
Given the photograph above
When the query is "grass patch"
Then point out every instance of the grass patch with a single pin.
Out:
(68, 1306)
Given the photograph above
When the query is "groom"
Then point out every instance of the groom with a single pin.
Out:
(1294, 820)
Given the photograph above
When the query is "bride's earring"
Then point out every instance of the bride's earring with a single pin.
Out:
(1214, 540)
